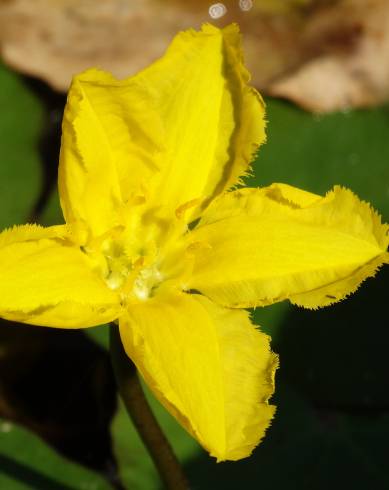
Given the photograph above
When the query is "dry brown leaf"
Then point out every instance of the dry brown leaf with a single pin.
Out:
(323, 54)
(350, 62)
(53, 39)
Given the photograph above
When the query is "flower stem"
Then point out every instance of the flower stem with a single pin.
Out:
(143, 418)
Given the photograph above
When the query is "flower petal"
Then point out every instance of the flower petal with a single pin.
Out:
(45, 280)
(213, 120)
(186, 127)
(109, 137)
(208, 366)
(267, 245)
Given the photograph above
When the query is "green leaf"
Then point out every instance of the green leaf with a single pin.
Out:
(337, 356)
(52, 213)
(99, 334)
(27, 463)
(20, 172)
(315, 153)
(306, 449)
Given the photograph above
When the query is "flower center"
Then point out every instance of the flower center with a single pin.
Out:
(135, 274)
(135, 260)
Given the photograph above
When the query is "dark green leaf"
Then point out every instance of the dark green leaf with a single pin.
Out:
(20, 172)
(27, 463)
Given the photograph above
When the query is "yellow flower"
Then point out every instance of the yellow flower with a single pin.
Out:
(156, 239)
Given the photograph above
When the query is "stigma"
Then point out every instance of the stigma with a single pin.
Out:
(147, 280)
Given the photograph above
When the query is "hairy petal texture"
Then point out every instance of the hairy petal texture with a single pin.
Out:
(265, 245)
(213, 120)
(46, 280)
(110, 136)
(207, 365)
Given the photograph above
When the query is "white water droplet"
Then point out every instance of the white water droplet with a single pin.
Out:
(217, 10)
(246, 5)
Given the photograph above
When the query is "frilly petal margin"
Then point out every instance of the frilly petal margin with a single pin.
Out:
(341, 289)
(261, 246)
(209, 366)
